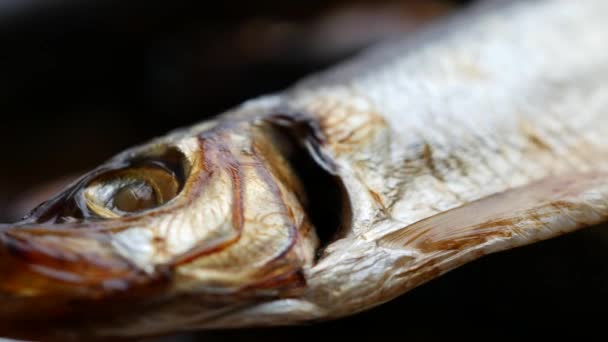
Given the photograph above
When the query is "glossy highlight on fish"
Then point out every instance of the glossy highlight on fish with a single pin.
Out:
(482, 134)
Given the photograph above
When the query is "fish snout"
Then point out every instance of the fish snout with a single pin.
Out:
(47, 275)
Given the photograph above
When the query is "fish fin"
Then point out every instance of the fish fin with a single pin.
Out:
(548, 208)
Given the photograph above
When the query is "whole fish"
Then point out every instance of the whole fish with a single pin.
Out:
(483, 133)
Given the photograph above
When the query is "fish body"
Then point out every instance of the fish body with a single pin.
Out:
(481, 134)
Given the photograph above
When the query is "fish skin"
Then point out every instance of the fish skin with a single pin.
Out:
(482, 134)
(489, 102)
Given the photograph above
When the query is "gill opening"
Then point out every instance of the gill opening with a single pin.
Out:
(327, 205)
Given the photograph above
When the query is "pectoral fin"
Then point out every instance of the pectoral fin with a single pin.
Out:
(517, 217)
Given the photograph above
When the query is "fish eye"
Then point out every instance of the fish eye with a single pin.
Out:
(130, 186)
(131, 190)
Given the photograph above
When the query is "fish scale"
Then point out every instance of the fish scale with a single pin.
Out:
(531, 95)
(435, 94)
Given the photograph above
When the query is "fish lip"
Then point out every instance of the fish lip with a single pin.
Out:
(55, 272)
(48, 284)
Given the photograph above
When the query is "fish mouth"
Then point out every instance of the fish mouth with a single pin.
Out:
(38, 265)
(55, 283)
(64, 271)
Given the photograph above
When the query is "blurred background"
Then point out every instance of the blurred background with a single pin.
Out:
(80, 81)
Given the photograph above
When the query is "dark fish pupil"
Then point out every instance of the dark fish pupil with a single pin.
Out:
(135, 197)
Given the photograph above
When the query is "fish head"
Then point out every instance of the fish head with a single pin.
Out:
(204, 221)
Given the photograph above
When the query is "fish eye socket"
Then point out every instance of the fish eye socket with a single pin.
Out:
(130, 185)
(131, 190)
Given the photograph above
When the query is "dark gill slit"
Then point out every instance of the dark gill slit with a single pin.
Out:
(326, 202)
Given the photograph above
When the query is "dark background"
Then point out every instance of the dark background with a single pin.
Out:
(81, 81)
